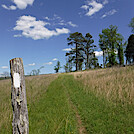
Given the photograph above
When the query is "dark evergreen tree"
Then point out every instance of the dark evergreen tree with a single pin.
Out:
(121, 47)
(130, 49)
(88, 49)
(57, 67)
(69, 65)
(76, 39)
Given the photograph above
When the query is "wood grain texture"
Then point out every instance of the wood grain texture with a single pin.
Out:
(20, 122)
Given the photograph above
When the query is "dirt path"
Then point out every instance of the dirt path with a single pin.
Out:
(81, 128)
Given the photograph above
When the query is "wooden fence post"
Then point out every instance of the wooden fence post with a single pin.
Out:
(20, 122)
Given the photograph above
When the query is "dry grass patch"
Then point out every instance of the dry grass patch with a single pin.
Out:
(35, 87)
(116, 84)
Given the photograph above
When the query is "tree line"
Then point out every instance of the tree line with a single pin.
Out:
(111, 43)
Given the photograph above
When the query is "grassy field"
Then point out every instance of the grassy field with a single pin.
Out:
(114, 84)
(96, 102)
(36, 86)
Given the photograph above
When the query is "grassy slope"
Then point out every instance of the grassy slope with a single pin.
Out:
(52, 114)
(115, 84)
(98, 115)
(35, 87)
(52, 109)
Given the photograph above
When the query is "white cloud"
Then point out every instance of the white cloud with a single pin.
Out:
(35, 29)
(62, 23)
(98, 53)
(57, 17)
(57, 20)
(55, 59)
(12, 7)
(21, 4)
(95, 8)
(111, 12)
(17, 35)
(33, 64)
(67, 49)
(49, 63)
(105, 2)
(92, 7)
(61, 31)
(4, 67)
(71, 24)
(47, 18)
(85, 7)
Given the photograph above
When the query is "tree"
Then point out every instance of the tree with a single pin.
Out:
(103, 47)
(130, 49)
(36, 72)
(69, 65)
(66, 67)
(57, 67)
(5, 74)
(76, 53)
(93, 61)
(88, 48)
(131, 24)
(108, 42)
(121, 52)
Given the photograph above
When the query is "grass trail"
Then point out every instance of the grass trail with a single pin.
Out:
(98, 115)
(67, 108)
(63, 106)
(53, 114)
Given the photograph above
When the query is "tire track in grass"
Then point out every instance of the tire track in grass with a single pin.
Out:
(52, 113)
(97, 114)
(81, 128)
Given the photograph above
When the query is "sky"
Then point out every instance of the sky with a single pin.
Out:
(37, 30)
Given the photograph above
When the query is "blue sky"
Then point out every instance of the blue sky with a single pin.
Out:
(37, 30)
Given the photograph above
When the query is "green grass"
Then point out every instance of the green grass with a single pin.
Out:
(98, 115)
(36, 86)
(52, 114)
(53, 103)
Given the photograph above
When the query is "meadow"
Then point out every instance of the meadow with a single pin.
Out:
(95, 101)
(115, 84)
(36, 86)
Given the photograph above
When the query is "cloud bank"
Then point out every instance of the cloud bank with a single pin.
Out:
(36, 29)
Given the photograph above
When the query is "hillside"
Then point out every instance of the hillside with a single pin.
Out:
(96, 101)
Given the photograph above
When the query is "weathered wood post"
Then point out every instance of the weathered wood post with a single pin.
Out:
(20, 122)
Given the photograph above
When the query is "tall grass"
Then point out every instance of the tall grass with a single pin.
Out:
(52, 113)
(5, 107)
(54, 103)
(115, 84)
(98, 115)
(36, 86)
